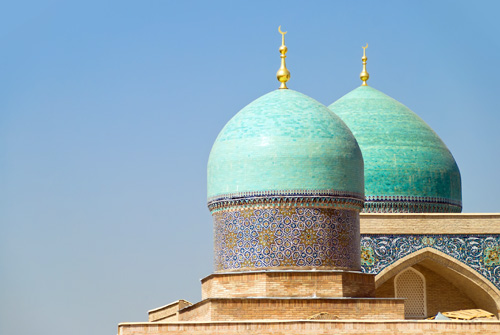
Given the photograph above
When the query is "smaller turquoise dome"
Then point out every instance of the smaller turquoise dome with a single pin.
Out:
(283, 143)
(408, 168)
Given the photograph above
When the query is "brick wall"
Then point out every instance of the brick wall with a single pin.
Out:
(235, 309)
(442, 295)
(201, 311)
(168, 311)
(288, 284)
(386, 290)
(314, 328)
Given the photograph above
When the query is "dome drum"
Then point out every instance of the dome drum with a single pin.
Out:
(288, 237)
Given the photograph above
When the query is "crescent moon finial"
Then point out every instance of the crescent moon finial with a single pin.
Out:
(364, 74)
(283, 74)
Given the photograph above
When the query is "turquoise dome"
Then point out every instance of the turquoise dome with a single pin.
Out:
(408, 168)
(285, 143)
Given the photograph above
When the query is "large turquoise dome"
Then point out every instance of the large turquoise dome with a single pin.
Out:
(408, 168)
(285, 188)
(284, 143)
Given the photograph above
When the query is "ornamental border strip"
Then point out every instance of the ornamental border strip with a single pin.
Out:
(410, 198)
(479, 252)
(409, 207)
(288, 201)
(285, 193)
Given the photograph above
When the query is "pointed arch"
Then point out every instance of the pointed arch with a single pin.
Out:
(477, 280)
(410, 284)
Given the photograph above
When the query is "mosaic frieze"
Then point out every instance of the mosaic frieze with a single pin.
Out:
(480, 252)
(286, 237)
(492, 256)
(410, 204)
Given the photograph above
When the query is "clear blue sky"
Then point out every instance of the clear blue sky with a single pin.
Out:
(108, 110)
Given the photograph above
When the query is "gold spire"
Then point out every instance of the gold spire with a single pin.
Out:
(364, 75)
(283, 74)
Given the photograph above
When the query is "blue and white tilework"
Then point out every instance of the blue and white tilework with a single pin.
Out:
(480, 252)
(286, 237)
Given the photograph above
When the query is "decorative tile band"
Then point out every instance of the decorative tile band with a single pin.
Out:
(276, 199)
(286, 237)
(287, 193)
(480, 252)
(410, 204)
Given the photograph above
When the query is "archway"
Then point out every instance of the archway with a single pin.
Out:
(452, 284)
(410, 284)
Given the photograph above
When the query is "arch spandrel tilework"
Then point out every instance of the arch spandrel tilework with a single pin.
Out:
(479, 252)
(290, 237)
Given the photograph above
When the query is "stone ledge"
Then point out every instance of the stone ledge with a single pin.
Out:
(313, 327)
(430, 223)
(146, 323)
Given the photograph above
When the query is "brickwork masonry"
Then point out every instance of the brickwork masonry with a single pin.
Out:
(313, 327)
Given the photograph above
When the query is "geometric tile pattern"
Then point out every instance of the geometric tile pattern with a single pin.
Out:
(480, 252)
(286, 237)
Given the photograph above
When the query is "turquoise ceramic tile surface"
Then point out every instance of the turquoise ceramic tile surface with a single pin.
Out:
(403, 156)
(285, 140)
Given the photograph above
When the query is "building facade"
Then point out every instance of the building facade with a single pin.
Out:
(340, 220)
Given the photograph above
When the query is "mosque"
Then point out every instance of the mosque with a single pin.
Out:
(343, 219)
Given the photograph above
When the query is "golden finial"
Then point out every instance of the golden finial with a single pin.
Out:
(283, 74)
(364, 75)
